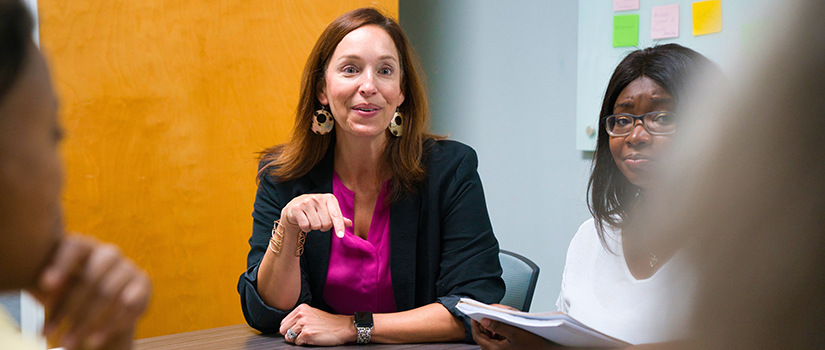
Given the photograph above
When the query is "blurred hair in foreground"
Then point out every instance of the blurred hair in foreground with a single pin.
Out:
(748, 192)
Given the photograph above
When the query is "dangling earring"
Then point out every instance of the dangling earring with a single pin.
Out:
(396, 124)
(322, 121)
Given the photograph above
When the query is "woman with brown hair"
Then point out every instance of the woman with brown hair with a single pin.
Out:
(412, 233)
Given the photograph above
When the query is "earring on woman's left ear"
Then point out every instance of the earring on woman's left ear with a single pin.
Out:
(396, 124)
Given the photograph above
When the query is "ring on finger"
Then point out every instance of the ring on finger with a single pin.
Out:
(290, 334)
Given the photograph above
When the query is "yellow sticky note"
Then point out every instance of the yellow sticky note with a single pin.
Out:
(707, 17)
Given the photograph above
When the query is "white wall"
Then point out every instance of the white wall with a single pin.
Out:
(502, 78)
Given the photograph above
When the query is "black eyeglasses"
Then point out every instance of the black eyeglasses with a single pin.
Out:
(656, 123)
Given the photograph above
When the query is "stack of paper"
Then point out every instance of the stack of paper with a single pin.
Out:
(557, 327)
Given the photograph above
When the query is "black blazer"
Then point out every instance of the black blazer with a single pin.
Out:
(442, 245)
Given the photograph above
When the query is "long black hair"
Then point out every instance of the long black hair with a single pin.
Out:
(610, 193)
(15, 31)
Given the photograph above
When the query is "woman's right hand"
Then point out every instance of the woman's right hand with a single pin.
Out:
(279, 275)
(494, 335)
(317, 211)
(95, 289)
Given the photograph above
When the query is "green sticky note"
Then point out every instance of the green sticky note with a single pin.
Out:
(625, 30)
(754, 33)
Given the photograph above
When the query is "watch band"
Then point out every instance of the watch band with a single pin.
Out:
(364, 334)
(363, 325)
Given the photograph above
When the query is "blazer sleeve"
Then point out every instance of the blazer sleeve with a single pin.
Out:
(267, 209)
(469, 257)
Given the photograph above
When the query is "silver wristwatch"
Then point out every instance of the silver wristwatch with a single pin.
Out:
(363, 324)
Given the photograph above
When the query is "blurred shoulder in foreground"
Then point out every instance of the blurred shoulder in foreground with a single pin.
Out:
(750, 188)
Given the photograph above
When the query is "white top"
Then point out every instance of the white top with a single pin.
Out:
(10, 337)
(598, 290)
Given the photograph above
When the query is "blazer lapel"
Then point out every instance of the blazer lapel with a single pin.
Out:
(403, 237)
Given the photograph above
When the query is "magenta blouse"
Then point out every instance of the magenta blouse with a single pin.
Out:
(359, 278)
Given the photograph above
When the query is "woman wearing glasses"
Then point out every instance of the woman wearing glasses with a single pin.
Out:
(613, 280)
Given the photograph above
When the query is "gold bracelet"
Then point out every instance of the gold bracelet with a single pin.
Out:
(302, 238)
(277, 238)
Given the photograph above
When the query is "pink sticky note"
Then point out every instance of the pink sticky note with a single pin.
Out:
(664, 21)
(625, 5)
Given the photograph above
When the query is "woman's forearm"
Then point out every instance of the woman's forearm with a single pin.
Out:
(279, 275)
(426, 324)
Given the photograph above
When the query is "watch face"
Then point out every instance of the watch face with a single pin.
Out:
(363, 319)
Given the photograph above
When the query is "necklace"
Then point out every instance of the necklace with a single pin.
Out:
(653, 258)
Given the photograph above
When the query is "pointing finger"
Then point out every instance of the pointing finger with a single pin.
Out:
(337, 217)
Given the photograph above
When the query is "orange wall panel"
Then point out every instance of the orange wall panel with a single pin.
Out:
(165, 104)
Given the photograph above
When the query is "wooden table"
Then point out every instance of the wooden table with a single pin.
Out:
(243, 337)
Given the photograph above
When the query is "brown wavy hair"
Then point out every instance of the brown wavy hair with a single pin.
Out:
(305, 149)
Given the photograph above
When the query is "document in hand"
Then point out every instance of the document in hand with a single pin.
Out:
(557, 327)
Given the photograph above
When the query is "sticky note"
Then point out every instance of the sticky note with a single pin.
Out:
(752, 32)
(707, 17)
(664, 22)
(625, 5)
(625, 30)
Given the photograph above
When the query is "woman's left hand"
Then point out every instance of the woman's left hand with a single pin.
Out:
(316, 327)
